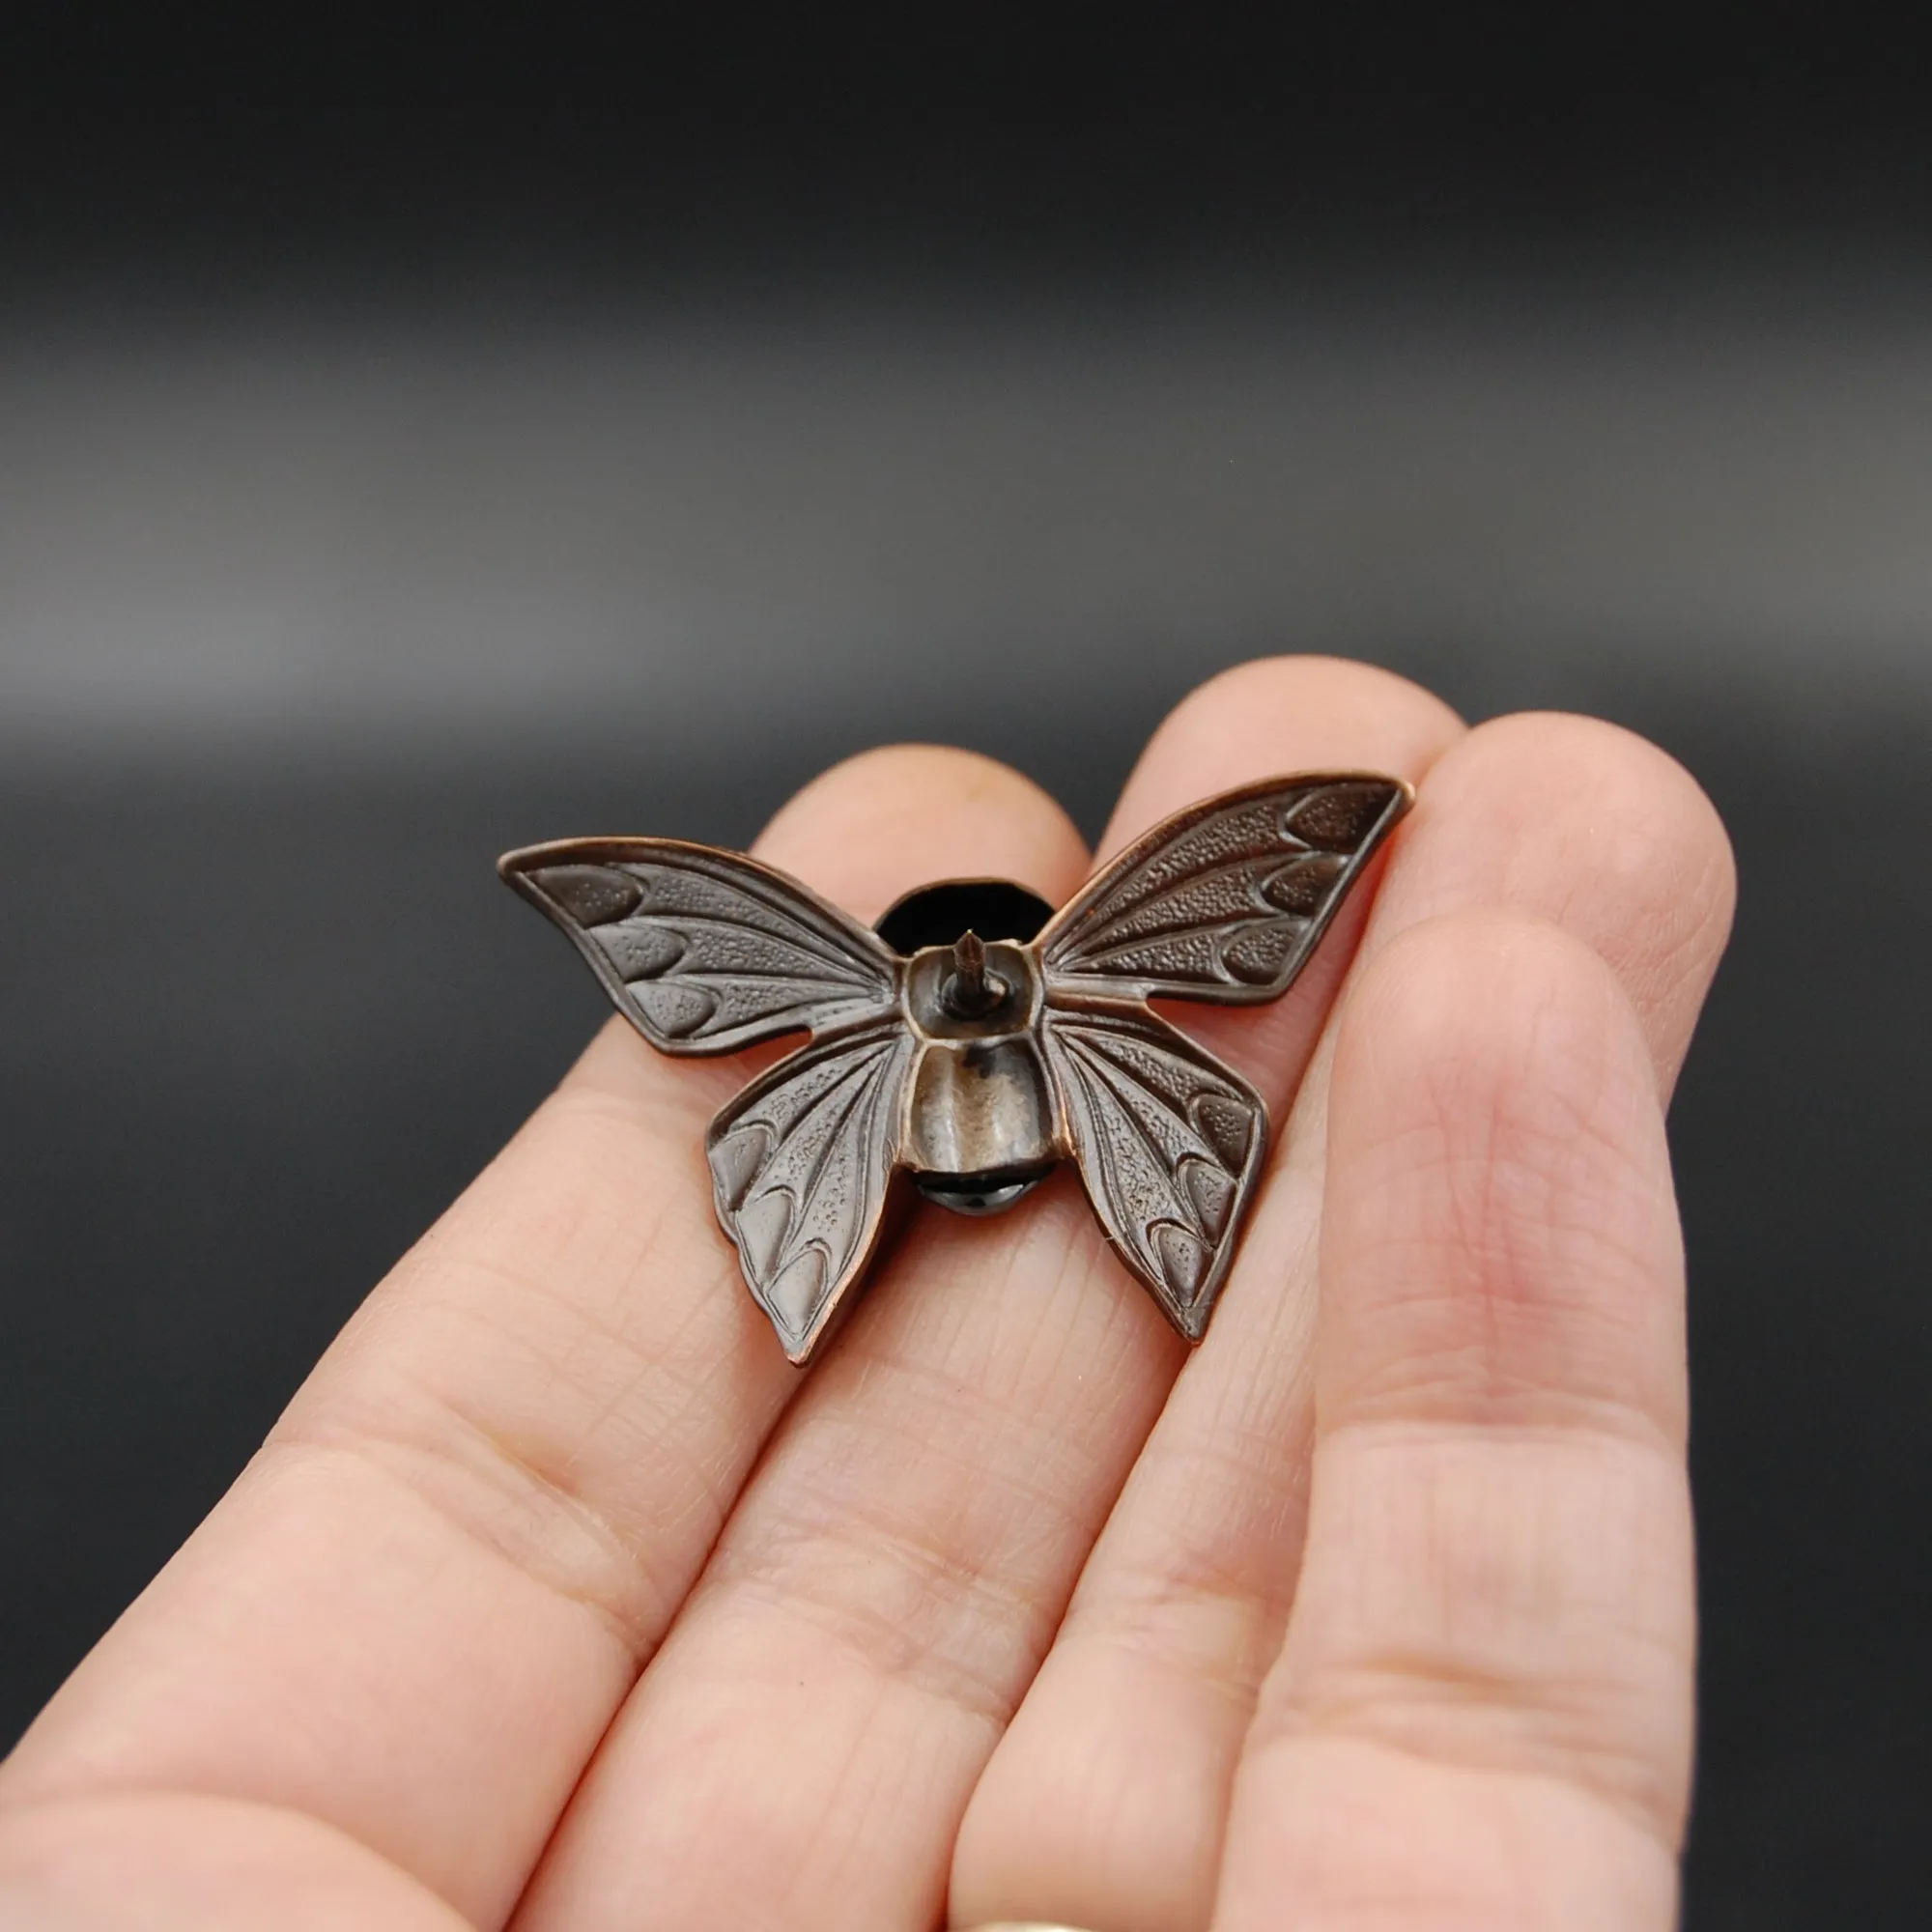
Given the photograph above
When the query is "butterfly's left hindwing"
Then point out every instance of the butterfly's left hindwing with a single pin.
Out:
(1170, 1144)
(800, 1165)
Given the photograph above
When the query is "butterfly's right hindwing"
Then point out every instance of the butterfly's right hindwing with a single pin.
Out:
(704, 951)
(800, 1165)
(1170, 1144)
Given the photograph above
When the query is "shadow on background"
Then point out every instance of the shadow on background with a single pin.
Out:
(419, 457)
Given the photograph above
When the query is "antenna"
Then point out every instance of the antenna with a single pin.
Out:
(969, 991)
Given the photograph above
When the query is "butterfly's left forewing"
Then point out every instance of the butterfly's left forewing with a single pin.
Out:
(801, 1162)
(702, 950)
(1170, 1145)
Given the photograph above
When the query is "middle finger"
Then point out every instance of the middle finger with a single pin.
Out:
(1105, 1801)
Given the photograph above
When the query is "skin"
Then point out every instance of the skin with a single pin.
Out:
(556, 1599)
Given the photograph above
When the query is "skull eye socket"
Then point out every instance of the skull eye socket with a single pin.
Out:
(940, 915)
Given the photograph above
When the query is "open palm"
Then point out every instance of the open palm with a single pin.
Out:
(558, 1599)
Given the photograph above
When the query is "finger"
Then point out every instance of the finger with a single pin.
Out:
(415, 1614)
(883, 1594)
(1105, 1801)
(1481, 1717)
(172, 1862)
(1603, 834)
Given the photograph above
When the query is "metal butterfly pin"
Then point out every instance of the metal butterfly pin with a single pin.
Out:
(974, 1037)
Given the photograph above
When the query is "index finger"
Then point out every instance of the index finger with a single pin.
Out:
(415, 1613)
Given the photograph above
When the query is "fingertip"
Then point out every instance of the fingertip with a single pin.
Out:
(897, 816)
(1596, 828)
(1281, 715)
(1475, 983)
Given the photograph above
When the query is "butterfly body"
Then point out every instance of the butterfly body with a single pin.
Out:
(982, 1124)
(974, 1038)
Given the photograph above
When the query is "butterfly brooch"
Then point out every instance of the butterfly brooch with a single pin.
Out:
(974, 1037)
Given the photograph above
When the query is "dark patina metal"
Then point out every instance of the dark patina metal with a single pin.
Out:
(974, 1038)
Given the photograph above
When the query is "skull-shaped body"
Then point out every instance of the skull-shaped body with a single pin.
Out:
(982, 1125)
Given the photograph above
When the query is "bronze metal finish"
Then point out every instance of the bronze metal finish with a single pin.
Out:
(974, 1038)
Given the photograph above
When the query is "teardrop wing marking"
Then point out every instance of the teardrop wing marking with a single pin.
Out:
(1225, 900)
(705, 951)
(1170, 1145)
(800, 1165)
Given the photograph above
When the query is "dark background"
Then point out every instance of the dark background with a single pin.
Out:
(428, 438)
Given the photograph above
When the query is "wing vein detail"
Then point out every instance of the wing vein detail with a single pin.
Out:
(1170, 1149)
(1226, 900)
(705, 951)
(801, 1161)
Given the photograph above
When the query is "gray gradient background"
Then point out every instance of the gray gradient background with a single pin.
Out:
(372, 500)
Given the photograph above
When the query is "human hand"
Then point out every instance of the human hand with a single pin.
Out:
(1374, 1611)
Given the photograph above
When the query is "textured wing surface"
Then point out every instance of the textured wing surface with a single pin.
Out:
(800, 1163)
(702, 950)
(1170, 1143)
(1227, 900)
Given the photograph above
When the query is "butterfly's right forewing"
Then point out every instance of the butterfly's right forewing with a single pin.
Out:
(801, 1161)
(1226, 900)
